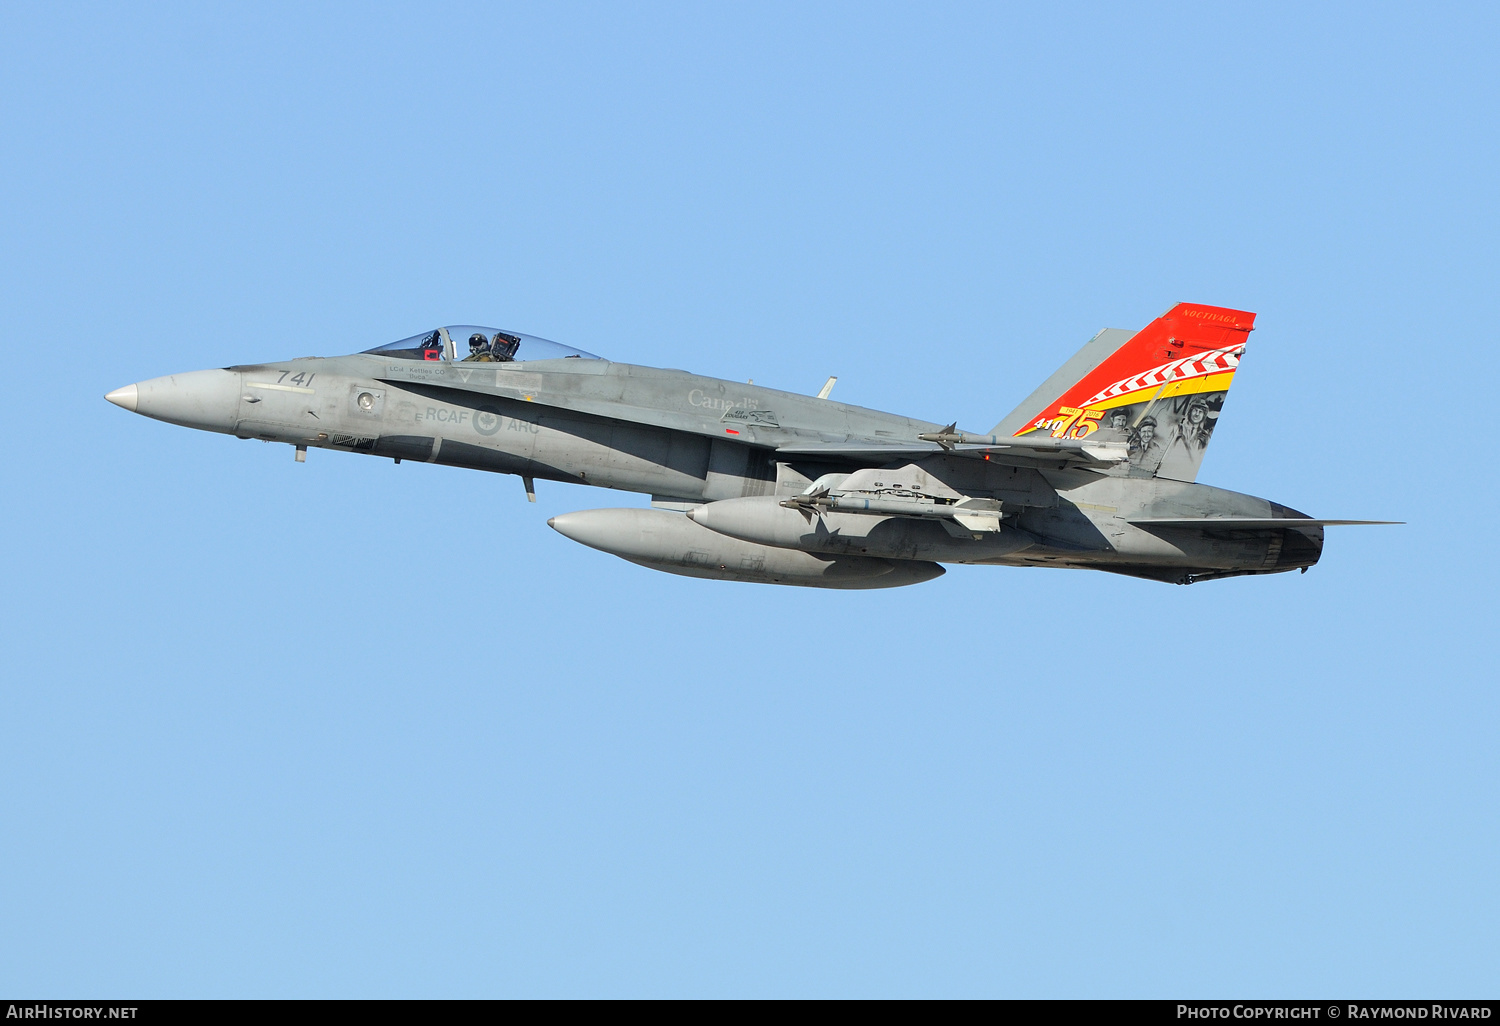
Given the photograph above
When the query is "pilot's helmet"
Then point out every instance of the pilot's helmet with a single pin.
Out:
(477, 342)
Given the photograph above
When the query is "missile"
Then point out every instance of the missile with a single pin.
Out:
(765, 520)
(1101, 452)
(974, 515)
(672, 543)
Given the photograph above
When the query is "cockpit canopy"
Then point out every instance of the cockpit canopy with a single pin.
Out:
(466, 343)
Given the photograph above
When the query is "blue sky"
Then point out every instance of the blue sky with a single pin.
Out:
(358, 729)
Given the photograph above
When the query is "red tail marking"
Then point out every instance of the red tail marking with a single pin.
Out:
(1186, 330)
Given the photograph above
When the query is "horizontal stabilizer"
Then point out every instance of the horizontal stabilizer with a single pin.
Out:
(1252, 523)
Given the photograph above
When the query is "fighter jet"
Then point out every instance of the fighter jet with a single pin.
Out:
(1095, 469)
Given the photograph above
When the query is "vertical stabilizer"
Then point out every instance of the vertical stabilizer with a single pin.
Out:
(1160, 390)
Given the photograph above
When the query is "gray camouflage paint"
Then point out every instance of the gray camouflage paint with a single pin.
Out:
(689, 440)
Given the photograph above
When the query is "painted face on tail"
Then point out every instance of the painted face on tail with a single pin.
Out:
(1175, 372)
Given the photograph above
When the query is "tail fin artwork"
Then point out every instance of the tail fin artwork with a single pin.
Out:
(1160, 390)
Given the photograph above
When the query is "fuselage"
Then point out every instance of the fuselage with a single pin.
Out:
(686, 439)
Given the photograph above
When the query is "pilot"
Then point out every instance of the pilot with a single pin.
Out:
(1146, 449)
(1195, 426)
(505, 347)
(1117, 426)
(1187, 437)
(479, 349)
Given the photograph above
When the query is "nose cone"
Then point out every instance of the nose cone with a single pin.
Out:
(125, 397)
(631, 533)
(582, 527)
(206, 399)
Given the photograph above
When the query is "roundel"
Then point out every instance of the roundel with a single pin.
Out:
(486, 420)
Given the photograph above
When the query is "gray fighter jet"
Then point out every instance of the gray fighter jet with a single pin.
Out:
(1094, 470)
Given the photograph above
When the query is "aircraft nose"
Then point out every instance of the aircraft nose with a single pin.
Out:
(592, 527)
(124, 397)
(565, 524)
(206, 399)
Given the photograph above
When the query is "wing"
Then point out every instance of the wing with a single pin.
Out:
(1025, 450)
(577, 392)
